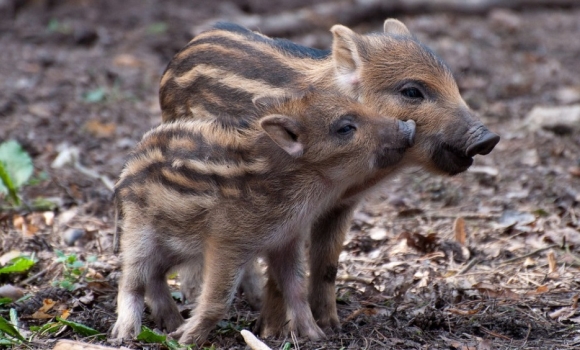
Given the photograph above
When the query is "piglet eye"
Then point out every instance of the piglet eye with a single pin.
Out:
(346, 129)
(412, 92)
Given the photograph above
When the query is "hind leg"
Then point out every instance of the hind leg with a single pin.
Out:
(252, 284)
(163, 308)
(191, 279)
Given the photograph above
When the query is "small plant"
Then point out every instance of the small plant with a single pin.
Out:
(74, 271)
(97, 95)
(15, 169)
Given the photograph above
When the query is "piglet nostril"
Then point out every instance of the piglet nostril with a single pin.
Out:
(408, 128)
(483, 145)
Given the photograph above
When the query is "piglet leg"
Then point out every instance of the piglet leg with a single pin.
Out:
(222, 270)
(286, 269)
(327, 238)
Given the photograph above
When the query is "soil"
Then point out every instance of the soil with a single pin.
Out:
(488, 259)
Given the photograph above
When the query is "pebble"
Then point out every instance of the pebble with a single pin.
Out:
(72, 235)
(378, 233)
(9, 291)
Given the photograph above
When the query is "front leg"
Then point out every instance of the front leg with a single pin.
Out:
(326, 243)
(285, 307)
(222, 268)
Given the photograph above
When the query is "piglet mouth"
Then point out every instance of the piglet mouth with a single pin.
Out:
(390, 157)
(451, 159)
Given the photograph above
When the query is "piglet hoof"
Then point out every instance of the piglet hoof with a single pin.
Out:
(123, 331)
(188, 334)
(330, 324)
(176, 335)
(308, 328)
(313, 333)
(266, 330)
(169, 322)
(191, 338)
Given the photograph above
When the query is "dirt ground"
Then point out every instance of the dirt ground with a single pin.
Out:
(488, 259)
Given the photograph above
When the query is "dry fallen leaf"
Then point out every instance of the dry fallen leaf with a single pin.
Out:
(529, 262)
(127, 60)
(459, 228)
(562, 314)
(18, 222)
(552, 262)
(6, 257)
(463, 312)
(99, 129)
(574, 171)
(419, 242)
(495, 292)
(65, 314)
(364, 311)
(457, 344)
(48, 218)
(47, 304)
(40, 315)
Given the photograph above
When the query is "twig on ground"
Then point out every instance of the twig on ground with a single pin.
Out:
(91, 173)
(465, 215)
(495, 334)
(509, 261)
(38, 274)
(468, 267)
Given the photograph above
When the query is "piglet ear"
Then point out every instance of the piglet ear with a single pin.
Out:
(285, 132)
(395, 27)
(346, 56)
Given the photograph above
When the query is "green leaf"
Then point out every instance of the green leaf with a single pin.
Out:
(149, 336)
(13, 317)
(53, 25)
(157, 28)
(6, 184)
(287, 346)
(20, 264)
(174, 345)
(4, 301)
(44, 204)
(17, 163)
(9, 329)
(79, 327)
(50, 327)
(96, 95)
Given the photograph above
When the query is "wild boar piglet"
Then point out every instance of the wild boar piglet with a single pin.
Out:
(193, 192)
(223, 69)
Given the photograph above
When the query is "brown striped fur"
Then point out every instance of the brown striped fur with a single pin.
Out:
(222, 70)
(194, 193)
